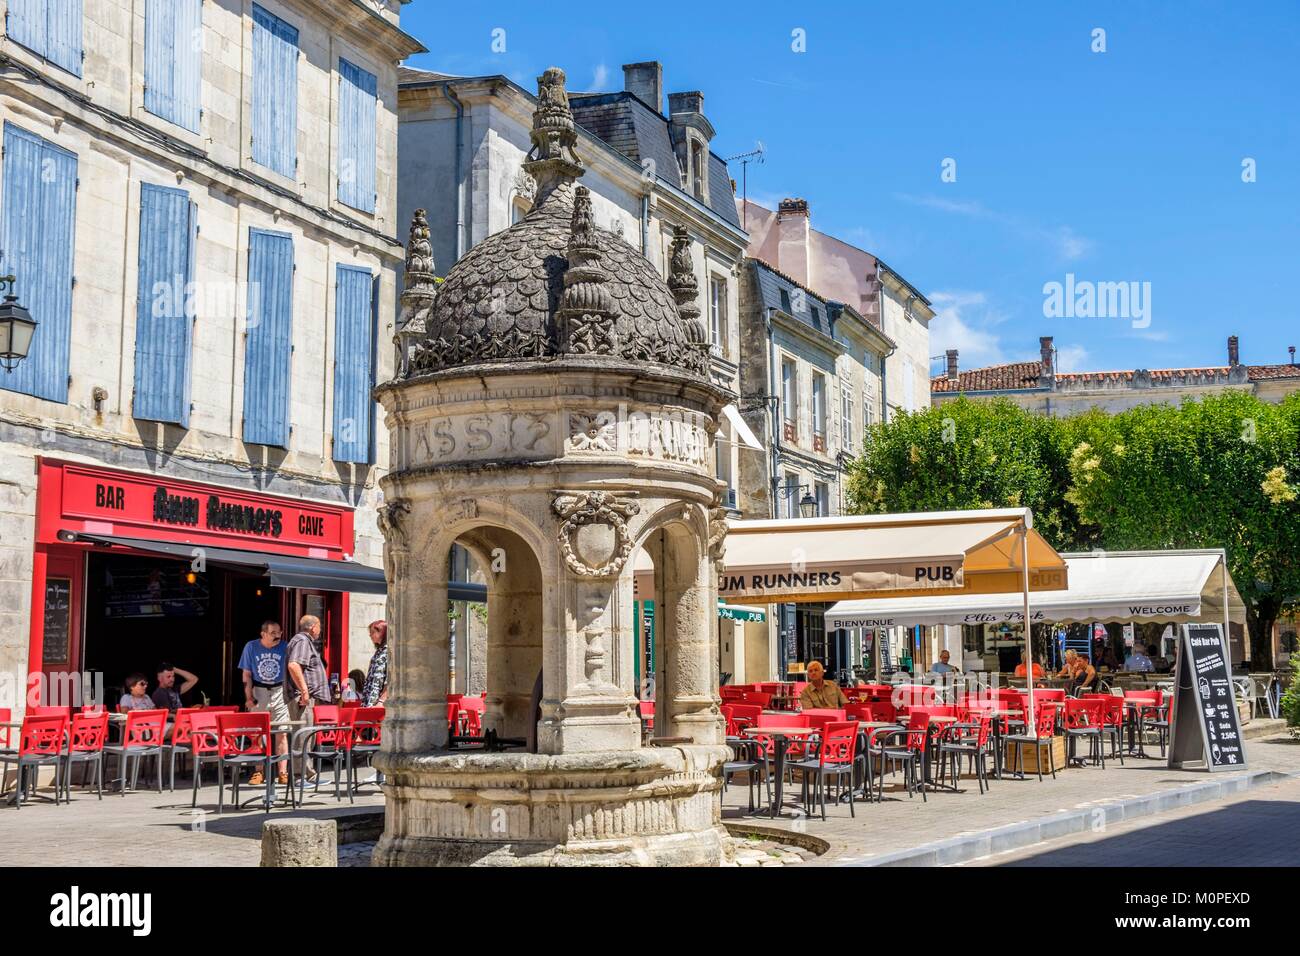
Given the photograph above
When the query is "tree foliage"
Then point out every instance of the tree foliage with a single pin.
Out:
(1220, 472)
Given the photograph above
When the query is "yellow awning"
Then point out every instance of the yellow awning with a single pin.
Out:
(866, 556)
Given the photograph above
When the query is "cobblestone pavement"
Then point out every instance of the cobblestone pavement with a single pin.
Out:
(111, 832)
(899, 822)
(1242, 831)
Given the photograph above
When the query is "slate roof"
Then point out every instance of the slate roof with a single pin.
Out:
(1022, 375)
(639, 132)
(772, 281)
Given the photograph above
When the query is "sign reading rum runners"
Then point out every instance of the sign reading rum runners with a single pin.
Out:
(1203, 716)
(858, 576)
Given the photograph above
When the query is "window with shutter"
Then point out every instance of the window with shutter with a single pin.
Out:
(173, 61)
(164, 324)
(358, 91)
(36, 245)
(354, 319)
(268, 353)
(275, 93)
(49, 28)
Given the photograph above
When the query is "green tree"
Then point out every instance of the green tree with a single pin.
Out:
(970, 454)
(1220, 472)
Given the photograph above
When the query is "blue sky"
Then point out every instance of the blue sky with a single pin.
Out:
(1115, 166)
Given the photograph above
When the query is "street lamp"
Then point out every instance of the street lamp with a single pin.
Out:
(807, 504)
(16, 327)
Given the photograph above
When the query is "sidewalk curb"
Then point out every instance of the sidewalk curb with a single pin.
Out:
(971, 846)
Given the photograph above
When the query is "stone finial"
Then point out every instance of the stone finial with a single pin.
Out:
(685, 290)
(419, 256)
(553, 159)
(586, 309)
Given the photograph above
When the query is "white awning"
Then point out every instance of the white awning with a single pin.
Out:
(742, 430)
(827, 559)
(1104, 586)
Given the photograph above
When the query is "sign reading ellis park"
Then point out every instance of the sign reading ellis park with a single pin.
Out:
(120, 503)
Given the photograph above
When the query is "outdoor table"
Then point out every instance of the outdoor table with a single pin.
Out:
(780, 736)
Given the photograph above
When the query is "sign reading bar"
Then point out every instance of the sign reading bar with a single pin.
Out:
(1204, 699)
(145, 502)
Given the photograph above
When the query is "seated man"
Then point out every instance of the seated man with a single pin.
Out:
(820, 692)
(167, 696)
(1138, 661)
(1022, 669)
(941, 666)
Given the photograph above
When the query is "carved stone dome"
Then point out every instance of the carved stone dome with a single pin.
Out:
(553, 285)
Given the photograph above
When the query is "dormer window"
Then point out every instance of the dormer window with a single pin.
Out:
(698, 171)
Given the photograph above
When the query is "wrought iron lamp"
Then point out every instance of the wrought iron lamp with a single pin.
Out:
(16, 327)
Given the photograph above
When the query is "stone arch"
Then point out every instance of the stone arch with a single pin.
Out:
(685, 607)
(509, 548)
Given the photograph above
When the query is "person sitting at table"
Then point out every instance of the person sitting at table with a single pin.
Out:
(941, 666)
(1138, 661)
(167, 696)
(1022, 669)
(1079, 671)
(820, 692)
(136, 697)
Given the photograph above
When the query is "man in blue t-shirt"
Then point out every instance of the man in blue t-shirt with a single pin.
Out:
(263, 663)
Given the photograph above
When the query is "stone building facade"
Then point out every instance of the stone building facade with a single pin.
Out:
(819, 363)
(215, 288)
(1040, 387)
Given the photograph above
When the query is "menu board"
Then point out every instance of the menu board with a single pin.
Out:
(57, 634)
(1204, 725)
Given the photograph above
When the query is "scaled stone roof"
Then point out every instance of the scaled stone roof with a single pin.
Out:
(993, 378)
(1023, 375)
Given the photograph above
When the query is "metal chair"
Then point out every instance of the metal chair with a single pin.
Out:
(142, 737)
(40, 744)
(86, 738)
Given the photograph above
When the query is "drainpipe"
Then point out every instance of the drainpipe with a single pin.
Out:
(774, 458)
(645, 225)
(454, 100)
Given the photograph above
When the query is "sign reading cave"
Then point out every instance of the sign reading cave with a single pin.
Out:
(807, 583)
(122, 503)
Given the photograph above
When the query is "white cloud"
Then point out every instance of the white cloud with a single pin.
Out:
(1071, 358)
(962, 321)
(600, 77)
(1069, 245)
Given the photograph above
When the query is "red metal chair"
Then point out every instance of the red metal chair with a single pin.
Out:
(142, 737)
(967, 739)
(646, 710)
(325, 714)
(204, 746)
(179, 745)
(912, 753)
(86, 737)
(819, 717)
(40, 744)
(759, 699)
(742, 716)
(1083, 720)
(6, 716)
(50, 712)
(332, 742)
(1112, 721)
(837, 749)
(242, 740)
(1044, 730)
(367, 738)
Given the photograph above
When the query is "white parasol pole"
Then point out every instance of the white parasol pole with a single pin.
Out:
(1029, 639)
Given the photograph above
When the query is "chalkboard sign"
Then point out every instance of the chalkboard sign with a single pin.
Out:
(1204, 725)
(58, 620)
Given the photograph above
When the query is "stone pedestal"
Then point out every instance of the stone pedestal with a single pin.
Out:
(657, 806)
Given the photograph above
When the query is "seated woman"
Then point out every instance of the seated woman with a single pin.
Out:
(1080, 672)
(135, 697)
(1022, 669)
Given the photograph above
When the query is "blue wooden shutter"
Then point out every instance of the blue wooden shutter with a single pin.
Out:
(268, 353)
(173, 60)
(26, 21)
(63, 34)
(358, 93)
(353, 351)
(163, 325)
(36, 245)
(50, 28)
(275, 93)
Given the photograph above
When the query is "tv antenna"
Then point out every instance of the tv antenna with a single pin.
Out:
(756, 155)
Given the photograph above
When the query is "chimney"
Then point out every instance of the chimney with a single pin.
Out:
(1045, 351)
(792, 248)
(1234, 354)
(1291, 350)
(646, 82)
(952, 365)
